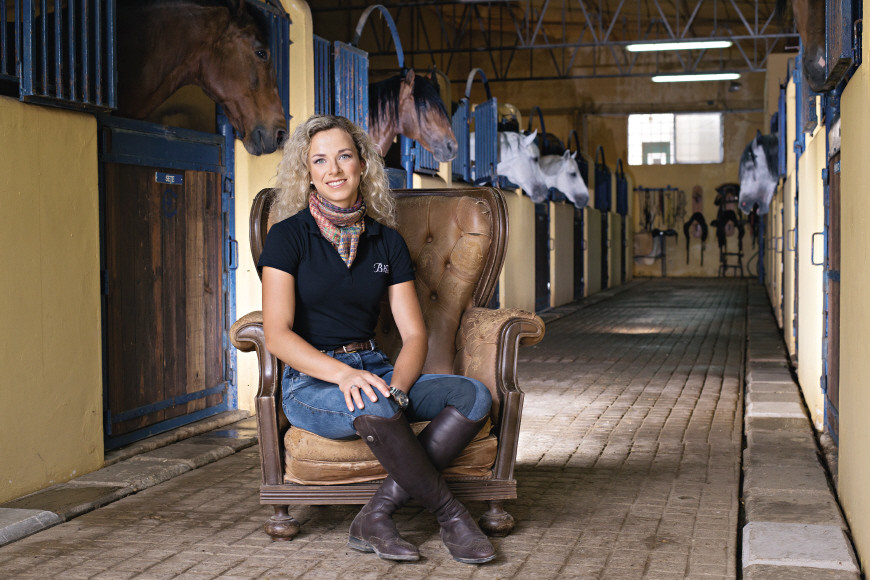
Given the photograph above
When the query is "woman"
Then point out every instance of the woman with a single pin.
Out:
(325, 269)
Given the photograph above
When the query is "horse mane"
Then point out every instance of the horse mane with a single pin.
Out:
(386, 94)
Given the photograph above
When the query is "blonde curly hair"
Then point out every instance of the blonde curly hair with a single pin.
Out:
(294, 179)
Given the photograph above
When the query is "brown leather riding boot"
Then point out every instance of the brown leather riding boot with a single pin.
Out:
(373, 530)
(394, 444)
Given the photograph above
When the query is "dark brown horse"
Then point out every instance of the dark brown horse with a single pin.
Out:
(809, 19)
(411, 106)
(218, 46)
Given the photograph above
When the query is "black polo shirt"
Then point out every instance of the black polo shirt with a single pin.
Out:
(336, 305)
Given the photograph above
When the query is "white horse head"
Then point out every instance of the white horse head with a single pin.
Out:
(518, 161)
(561, 172)
(759, 173)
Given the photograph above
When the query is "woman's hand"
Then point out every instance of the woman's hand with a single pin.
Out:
(358, 382)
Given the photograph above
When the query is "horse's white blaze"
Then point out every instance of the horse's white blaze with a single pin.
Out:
(562, 172)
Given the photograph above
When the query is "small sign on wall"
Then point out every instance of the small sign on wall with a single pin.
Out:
(170, 178)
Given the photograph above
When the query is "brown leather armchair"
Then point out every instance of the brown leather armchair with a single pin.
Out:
(457, 240)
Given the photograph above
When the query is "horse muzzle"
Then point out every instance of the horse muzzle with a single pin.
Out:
(445, 151)
(262, 141)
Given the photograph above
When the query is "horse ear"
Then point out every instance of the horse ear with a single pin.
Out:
(409, 77)
(530, 138)
(757, 134)
(567, 154)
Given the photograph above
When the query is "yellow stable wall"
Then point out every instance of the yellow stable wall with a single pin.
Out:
(254, 173)
(561, 253)
(854, 469)
(51, 387)
(516, 287)
(811, 218)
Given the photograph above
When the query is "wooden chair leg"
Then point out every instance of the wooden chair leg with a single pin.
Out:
(281, 527)
(496, 521)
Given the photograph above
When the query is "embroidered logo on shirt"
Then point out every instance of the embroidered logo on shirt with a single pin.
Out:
(381, 268)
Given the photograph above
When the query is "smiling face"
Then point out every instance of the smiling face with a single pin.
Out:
(335, 167)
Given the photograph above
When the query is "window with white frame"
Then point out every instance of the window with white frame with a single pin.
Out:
(668, 138)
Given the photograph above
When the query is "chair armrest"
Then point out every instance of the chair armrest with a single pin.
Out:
(487, 345)
(247, 335)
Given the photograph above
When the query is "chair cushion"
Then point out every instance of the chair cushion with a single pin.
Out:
(314, 460)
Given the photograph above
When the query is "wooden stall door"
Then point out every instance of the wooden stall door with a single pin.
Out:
(164, 297)
(832, 300)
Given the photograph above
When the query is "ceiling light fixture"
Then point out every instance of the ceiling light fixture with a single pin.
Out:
(695, 77)
(690, 45)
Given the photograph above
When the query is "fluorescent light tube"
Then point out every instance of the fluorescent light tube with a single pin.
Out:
(695, 77)
(691, 45)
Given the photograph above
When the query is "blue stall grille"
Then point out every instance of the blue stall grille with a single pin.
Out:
(621, 189)
(61, 53)
(462, 132)
(485, 142)
(322, 77)
(603, 189)
(840, 53)
(279, 40)
(782, 119)
(424, 161)
(799, 143)
(352, 83)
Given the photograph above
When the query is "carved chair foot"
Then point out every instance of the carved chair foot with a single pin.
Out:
(496, 521)
(281, 527)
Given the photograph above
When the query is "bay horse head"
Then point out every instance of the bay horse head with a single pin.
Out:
(411, 106)
(562, 173)
(518, 161)
(222, 48)
(809, 19)
(759, 173)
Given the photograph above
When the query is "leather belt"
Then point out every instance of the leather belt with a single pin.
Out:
(356, 346)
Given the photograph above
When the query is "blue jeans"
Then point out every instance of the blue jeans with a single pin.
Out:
(319, 406)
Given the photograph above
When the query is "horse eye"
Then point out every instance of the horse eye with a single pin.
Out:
(572, 174)
(262, 54)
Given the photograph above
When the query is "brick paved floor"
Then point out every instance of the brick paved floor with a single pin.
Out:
(628, 467)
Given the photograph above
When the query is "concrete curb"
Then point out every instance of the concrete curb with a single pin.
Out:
(156, 460)
(794, 528)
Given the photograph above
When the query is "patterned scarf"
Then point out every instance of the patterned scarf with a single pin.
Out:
(342, 227)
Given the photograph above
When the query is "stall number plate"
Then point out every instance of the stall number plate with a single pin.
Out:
(170, 178)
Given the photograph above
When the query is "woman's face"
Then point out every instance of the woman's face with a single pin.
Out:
(335, 167)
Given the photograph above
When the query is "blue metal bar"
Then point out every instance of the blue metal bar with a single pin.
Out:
(322, 78)
(26, 38)
(462, 163)
(4, 57)
(408, 160)
(43, 53)
(111, 65)
(395, 33)
(86, 89)
(58, 53)
(228, 274)
(139, 434)
(167, 404)
(98, 53)
(71, 7)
